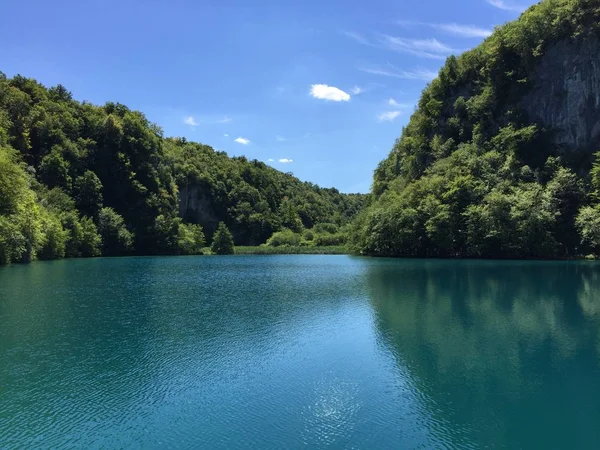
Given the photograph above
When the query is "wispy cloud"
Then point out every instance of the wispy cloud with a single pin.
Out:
(468, 31)
(423, 48)
(325, 92)
(357, 37)
(357, 90)
(388, 116)
(226, 135)
(190, 121)
(280, 138)
(506, 6)
(415, 74)
(286, 161)
(270, 160)
(194, 122)
(395, 104)
(242, 141)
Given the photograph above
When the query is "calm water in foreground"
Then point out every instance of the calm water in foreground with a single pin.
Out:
(299, 352)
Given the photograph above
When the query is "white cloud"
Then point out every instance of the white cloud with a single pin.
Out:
(388, 116)
(469, 31)
(286, 161)
(357, 37)
(325, 92)
(270, 160)
(190, 121)
(242, 141)
(226, 135)
(423, 48)
(357, 90)
(415, 74)
(501, 4)
(463, 30)
(280, 138)
(395, 104)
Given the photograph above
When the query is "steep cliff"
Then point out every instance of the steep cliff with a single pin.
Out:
(565, 97)
(495, 160)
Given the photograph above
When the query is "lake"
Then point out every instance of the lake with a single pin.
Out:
(299, 352)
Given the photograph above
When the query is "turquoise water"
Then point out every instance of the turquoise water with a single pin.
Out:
(299, 352)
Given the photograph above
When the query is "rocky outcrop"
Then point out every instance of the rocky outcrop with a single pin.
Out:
(196, 207)
(566, 94)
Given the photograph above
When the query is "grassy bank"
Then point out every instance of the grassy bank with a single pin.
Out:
(292, 250)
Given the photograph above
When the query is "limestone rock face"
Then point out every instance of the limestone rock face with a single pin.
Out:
(196, 207)
(566, 93)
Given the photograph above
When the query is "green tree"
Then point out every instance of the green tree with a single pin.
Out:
(289, 216)
(222, 241)
(190, 239)
(588, 224)
(83, 239)
(54, 239)
(116, 238)
(54, 170)
(88, 194)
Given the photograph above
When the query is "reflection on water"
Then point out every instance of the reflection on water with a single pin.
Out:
(297, 352)
(507, 350)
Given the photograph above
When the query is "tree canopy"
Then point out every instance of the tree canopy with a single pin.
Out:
(81, 180)
(472, 175)
(222, 241)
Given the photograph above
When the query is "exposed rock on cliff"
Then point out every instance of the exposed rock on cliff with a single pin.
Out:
(495, 161)
(566, 93)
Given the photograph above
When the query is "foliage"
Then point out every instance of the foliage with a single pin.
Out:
(78, 179)
(285, 237)
(329, 239)
(471, 176)
(253, 199)
(22, 224)
(326, 228)
(88, 194)
(116, 238)
(190, 239)
(289, 250)
(222, 241)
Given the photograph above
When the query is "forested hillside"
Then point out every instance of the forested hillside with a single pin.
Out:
(498, 159)
(83, 180)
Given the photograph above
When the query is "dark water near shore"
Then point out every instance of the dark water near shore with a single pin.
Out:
(299, 352)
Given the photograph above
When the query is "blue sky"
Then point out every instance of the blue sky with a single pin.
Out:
(321, 88)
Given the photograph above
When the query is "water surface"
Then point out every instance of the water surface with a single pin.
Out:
(299, 352)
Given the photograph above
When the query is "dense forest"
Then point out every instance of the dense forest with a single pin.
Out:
(498, 159)
(81, 180)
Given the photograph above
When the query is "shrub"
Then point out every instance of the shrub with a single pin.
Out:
(285, 237)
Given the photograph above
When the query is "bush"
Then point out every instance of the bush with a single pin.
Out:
(309, 235)
(285, 237)
(328, 239)
(331, 228)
